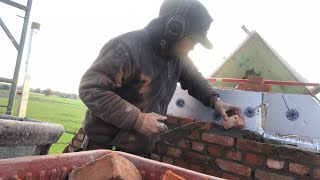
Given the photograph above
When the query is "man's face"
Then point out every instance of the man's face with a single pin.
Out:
(183, 47)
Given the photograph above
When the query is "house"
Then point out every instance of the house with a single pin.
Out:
(255, 56)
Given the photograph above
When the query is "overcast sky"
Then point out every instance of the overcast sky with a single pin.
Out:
(73, 32)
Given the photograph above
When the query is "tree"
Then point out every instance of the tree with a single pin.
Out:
(4, 86)
(38, 90)
(47, 92)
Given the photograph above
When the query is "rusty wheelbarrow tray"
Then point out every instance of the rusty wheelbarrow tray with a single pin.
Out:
(57, 167)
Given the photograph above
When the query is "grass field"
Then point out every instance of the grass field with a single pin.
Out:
(67, 112)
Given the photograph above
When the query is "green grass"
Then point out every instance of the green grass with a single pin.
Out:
(67, 112)
(4, 101)
(61, 144)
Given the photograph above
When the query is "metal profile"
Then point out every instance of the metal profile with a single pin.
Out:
(19, 47)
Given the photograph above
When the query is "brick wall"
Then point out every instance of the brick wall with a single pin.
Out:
(221, 153)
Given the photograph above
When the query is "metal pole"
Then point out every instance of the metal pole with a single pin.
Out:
(22, 109)
(19, 58)
(17, 5)
(6, 30)
(273, 82)
(245, 29)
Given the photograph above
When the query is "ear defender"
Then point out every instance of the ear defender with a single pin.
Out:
(177, 25)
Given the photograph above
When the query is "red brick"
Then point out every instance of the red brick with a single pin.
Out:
(196, 168)
(167, 160)
(184, 121)
(255, 79)
(164, 149)
(316, 173)
(234, 155)
(155, 157)
(183, 143)
(213, 172)
(216, 151)
(110, 166)
(265, 175)
(194, 135)
(267, 88)
(254, 159)
(233, 167)
(299, 155)
(172, 119)
(274, 164)
(196, 158)
(197, 146)
(217, 139)
(249, 87)
(242, 86)
(233, 122)
(254, 87)
(168, 175)
(299, 169)
(254, 146)
(181, 164)
(229, 177)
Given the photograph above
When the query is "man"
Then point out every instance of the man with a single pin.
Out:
(129, 86)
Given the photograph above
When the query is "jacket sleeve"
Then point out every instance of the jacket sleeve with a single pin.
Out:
(98, 86)
(197, 86)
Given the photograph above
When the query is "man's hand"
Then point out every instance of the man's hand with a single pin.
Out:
(148, 124)
(222, 107)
